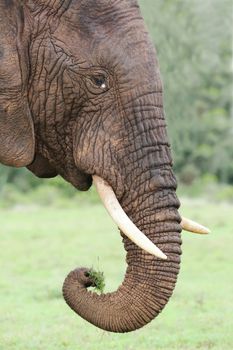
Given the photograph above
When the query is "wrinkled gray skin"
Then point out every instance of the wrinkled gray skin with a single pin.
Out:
(80, 94)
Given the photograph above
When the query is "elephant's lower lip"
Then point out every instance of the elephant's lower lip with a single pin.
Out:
(85, 183)
(81, 180)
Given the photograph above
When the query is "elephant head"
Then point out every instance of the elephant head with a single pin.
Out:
(81, 96)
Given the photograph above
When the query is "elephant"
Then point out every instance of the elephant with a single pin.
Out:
(81, 97)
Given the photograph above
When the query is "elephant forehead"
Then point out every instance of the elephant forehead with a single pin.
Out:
(89, 16)
(107, 33)
(93, 7)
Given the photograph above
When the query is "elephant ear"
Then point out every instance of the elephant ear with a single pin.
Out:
(17, 141)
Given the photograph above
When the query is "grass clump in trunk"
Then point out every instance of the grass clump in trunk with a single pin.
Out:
(98, 279)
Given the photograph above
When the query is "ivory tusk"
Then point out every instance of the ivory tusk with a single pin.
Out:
(193, 226)
(118, 215)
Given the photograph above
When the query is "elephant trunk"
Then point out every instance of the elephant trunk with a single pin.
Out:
(149, 281)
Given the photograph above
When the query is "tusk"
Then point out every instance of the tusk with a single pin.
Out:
(193, 226)
(118, 215)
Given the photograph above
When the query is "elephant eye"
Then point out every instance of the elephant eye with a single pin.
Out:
(99, 81)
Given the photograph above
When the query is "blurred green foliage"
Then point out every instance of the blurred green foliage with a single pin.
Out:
(193, 41)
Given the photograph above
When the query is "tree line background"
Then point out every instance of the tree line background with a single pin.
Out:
(194, 46)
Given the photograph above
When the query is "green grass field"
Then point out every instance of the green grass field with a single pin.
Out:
(39, 246)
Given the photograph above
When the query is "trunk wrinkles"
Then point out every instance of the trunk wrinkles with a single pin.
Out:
(149, 281)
